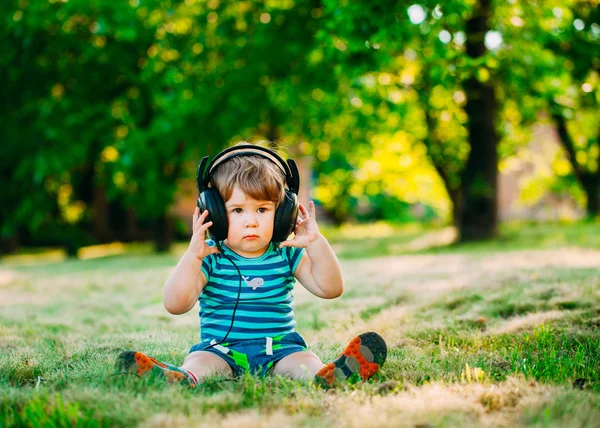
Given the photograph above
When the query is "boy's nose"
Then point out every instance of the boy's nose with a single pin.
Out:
(250, 220)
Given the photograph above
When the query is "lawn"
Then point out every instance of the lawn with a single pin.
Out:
(494, 334)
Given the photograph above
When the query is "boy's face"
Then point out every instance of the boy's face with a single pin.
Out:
(250, 224)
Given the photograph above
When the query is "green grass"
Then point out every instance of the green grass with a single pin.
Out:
(359, 241)
(502, 333)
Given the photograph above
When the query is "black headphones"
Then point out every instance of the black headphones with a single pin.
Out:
(210, 199)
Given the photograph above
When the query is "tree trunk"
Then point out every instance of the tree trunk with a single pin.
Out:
(132, 230)
(457, 206)
(589, 181)
(479, 179)
(272, 132)
(100, 214)
(162, 232)
(591, 185)
(10, 244)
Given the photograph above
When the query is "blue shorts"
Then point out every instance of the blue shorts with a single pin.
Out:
(255, 356)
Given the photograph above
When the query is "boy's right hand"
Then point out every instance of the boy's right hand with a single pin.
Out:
(198, 247)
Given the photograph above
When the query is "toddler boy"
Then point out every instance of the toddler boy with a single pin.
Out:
(244, 279)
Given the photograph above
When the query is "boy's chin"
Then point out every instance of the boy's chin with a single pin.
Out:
(253, 248)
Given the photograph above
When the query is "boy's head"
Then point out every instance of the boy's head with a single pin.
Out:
(255, 173)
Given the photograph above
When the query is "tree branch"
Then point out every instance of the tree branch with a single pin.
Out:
(568, 144)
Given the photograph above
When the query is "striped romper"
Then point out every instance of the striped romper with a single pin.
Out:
(263, 329)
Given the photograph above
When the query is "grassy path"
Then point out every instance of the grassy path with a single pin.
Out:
(491, 338)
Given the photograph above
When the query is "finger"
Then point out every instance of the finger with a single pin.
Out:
(203, 228)
(213, 250)
(302, 213)
(195, 219)
(303, 210)
(313, 210)
(202, 217)
(285, 244)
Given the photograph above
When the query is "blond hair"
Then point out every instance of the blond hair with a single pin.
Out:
(259, 178)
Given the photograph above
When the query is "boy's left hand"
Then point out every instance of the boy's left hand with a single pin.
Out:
(306, 231)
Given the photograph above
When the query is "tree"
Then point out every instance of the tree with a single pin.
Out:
(478, 203)
(134, 94)
(575, 101)
(216, 73)
(421, 60)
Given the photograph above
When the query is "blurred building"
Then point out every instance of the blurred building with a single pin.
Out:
(530, 171)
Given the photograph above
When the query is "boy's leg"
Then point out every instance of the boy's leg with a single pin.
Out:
(299, 365)
(203, 364)
(196, 365)
(361, 359)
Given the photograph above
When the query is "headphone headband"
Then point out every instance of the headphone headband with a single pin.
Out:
(290, 169)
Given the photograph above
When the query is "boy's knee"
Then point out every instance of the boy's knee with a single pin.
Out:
(300, 365)
(206, 364)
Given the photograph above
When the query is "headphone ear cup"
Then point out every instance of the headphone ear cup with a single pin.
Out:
(285, 217)
(211, 200)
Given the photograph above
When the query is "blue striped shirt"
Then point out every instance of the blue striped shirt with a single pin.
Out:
(266, 306)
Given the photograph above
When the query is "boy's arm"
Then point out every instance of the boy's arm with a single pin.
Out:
(184, 285)
(319, 270)
(186, 282)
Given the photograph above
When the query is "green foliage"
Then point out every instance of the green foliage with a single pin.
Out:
(560, 45)
(121, 100)
(411, 63)
(74, 59)
(124, 91)
(409, 89)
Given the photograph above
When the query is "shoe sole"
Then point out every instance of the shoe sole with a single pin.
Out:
(361, 359)
(141, 364)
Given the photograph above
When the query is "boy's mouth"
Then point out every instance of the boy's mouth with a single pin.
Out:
(251, 237)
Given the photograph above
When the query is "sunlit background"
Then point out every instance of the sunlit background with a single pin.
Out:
(463, 114)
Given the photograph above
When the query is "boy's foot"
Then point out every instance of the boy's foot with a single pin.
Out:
(143, 365)
(361, 359)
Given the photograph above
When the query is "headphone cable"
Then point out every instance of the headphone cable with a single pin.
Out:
(237, 300)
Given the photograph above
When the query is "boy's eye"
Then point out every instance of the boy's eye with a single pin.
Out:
(262, 210)
(237, 210)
